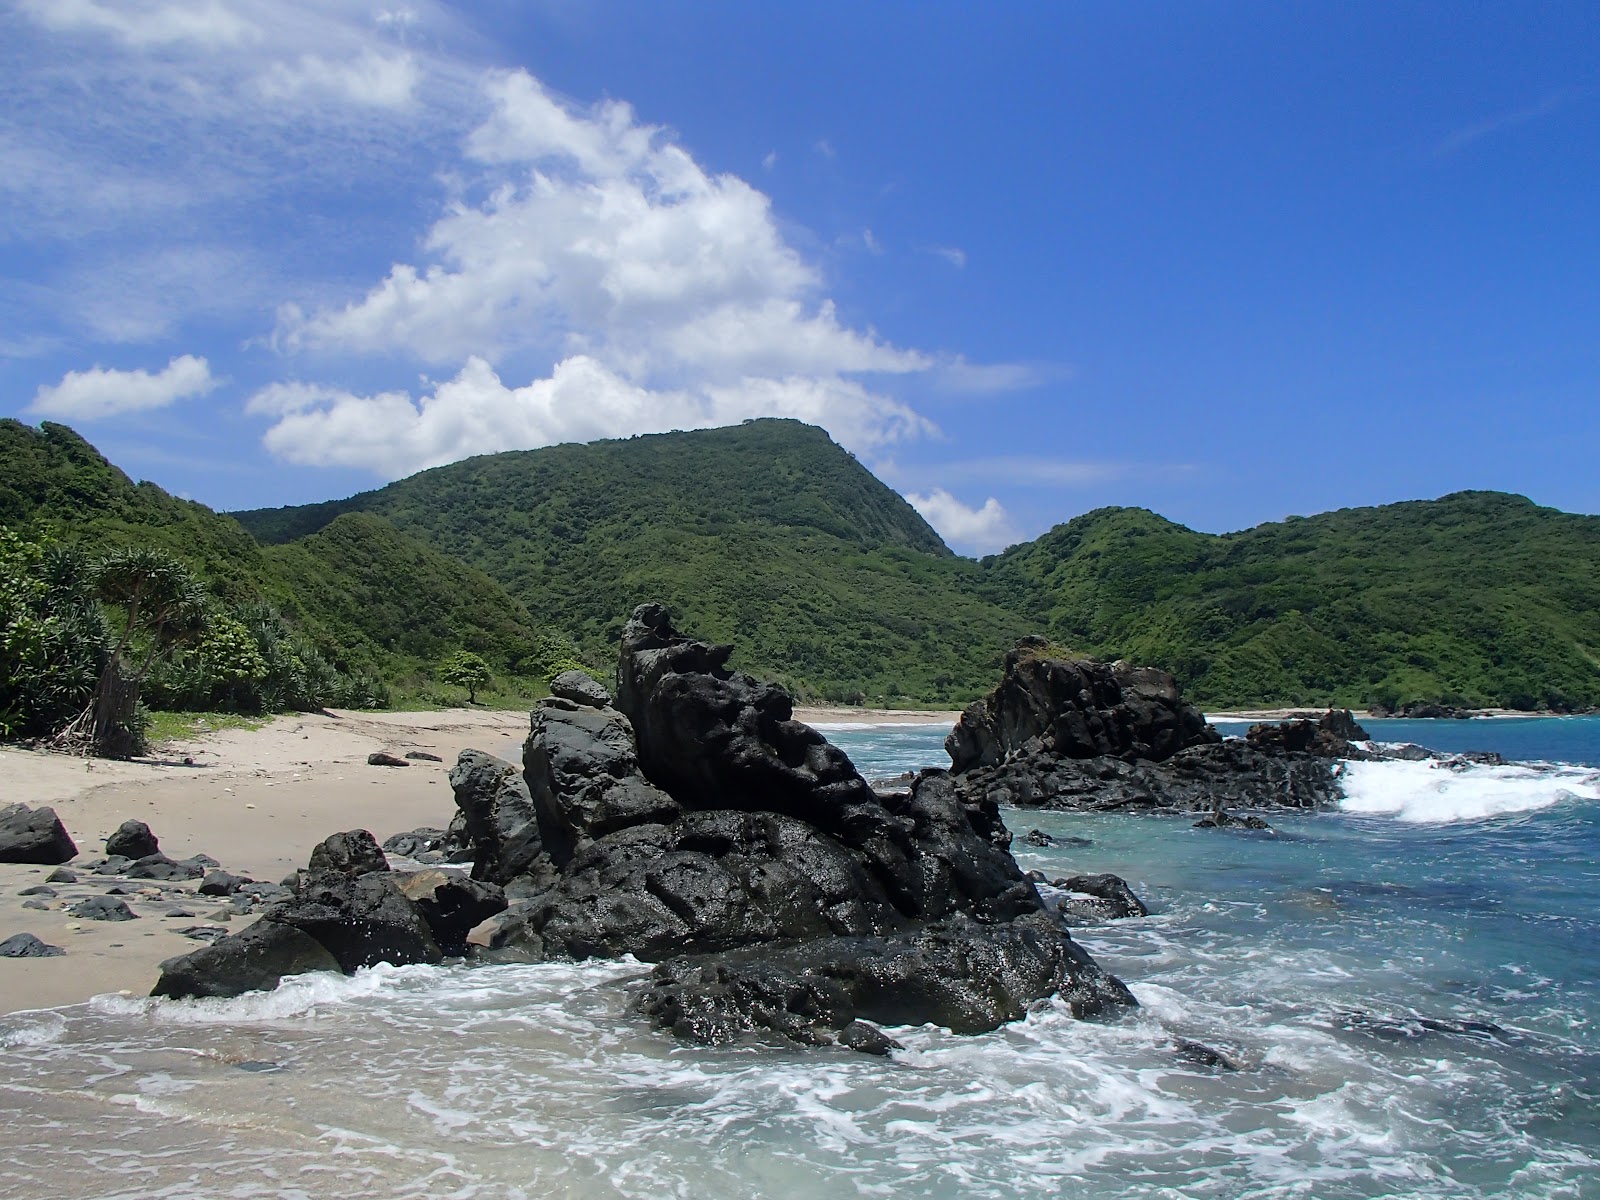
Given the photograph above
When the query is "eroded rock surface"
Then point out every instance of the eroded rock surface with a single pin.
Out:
(34, 835)
(1060, 733)
(693, 823)
(696, 824)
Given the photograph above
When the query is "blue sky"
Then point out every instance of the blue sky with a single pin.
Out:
(1228, 261)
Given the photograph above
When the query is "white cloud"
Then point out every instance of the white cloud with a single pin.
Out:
(140, 24)
(96, 393)
(771, 160)
(954, 255)
(476, 413)
(376, 80)
(983, 530)
(825, 148)
(603, 237)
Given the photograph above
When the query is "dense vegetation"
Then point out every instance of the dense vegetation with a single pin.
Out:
(772, 537)
(344, 617)
(1479, 598)
(767, 535)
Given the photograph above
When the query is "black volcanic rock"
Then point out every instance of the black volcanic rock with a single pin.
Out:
(452, 904)
(580, 688)
(355, 852)
(1195, 780)
(25, 945)
(159, 866)
(501, 824)
(698, 826)
(967, 977)
(745, 853)
(1327, 737)
(34, 835)
(132, 839)
(254, 959)
(1076, 708)
(584, 778)
(1077, 735)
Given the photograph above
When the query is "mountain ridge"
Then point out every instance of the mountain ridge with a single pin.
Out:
(771, 536)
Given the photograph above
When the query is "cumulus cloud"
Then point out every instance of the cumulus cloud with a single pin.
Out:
(98, 392)
(665, 295)
(983, 530)
(604, 237)
(476, 413)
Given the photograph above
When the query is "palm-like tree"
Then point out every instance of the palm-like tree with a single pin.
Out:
(162, 604)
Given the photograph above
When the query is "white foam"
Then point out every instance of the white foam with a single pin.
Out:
(295, 996)
(1441, 793)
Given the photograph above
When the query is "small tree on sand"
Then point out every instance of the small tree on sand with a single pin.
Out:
(466, 669)
(163, 606)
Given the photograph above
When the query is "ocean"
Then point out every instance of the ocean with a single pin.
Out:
(1408, 990)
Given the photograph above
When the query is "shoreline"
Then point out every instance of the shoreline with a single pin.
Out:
(257, 801)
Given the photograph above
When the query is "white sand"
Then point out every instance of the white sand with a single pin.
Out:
(255, 800)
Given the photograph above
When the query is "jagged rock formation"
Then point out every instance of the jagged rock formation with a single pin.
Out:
(1063, 733)
(696, 825)
(347, 910)
(1330, 736)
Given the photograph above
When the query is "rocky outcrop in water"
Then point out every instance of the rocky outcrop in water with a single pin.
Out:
(1061, 733)
(1076, 709)
(697, 825)
(693, 823)
(1329, 736)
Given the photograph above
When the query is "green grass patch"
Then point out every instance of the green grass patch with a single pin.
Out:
(169, 726)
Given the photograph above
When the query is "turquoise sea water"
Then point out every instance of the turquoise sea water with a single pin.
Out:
(1408, 986)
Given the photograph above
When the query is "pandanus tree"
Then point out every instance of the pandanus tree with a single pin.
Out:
(161, 606)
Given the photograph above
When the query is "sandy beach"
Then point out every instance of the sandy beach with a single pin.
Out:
(257, 801)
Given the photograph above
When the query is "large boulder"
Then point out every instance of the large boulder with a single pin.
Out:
(580, 688)
(502, 825)
(1076, 708)
(361, 920)
(254, 959)
(1330, 736)
(352, 853)
(132, 839)
(584, 778)
(967, 977)
(34, 835)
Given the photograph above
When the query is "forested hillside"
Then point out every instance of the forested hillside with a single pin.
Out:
(1479, 598)
(766, 534)
(772, 537)
(360, 595)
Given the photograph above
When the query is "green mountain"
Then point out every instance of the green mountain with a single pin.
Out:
(766, 534)
(772, 537)
(1480, 598)
(364, 595)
